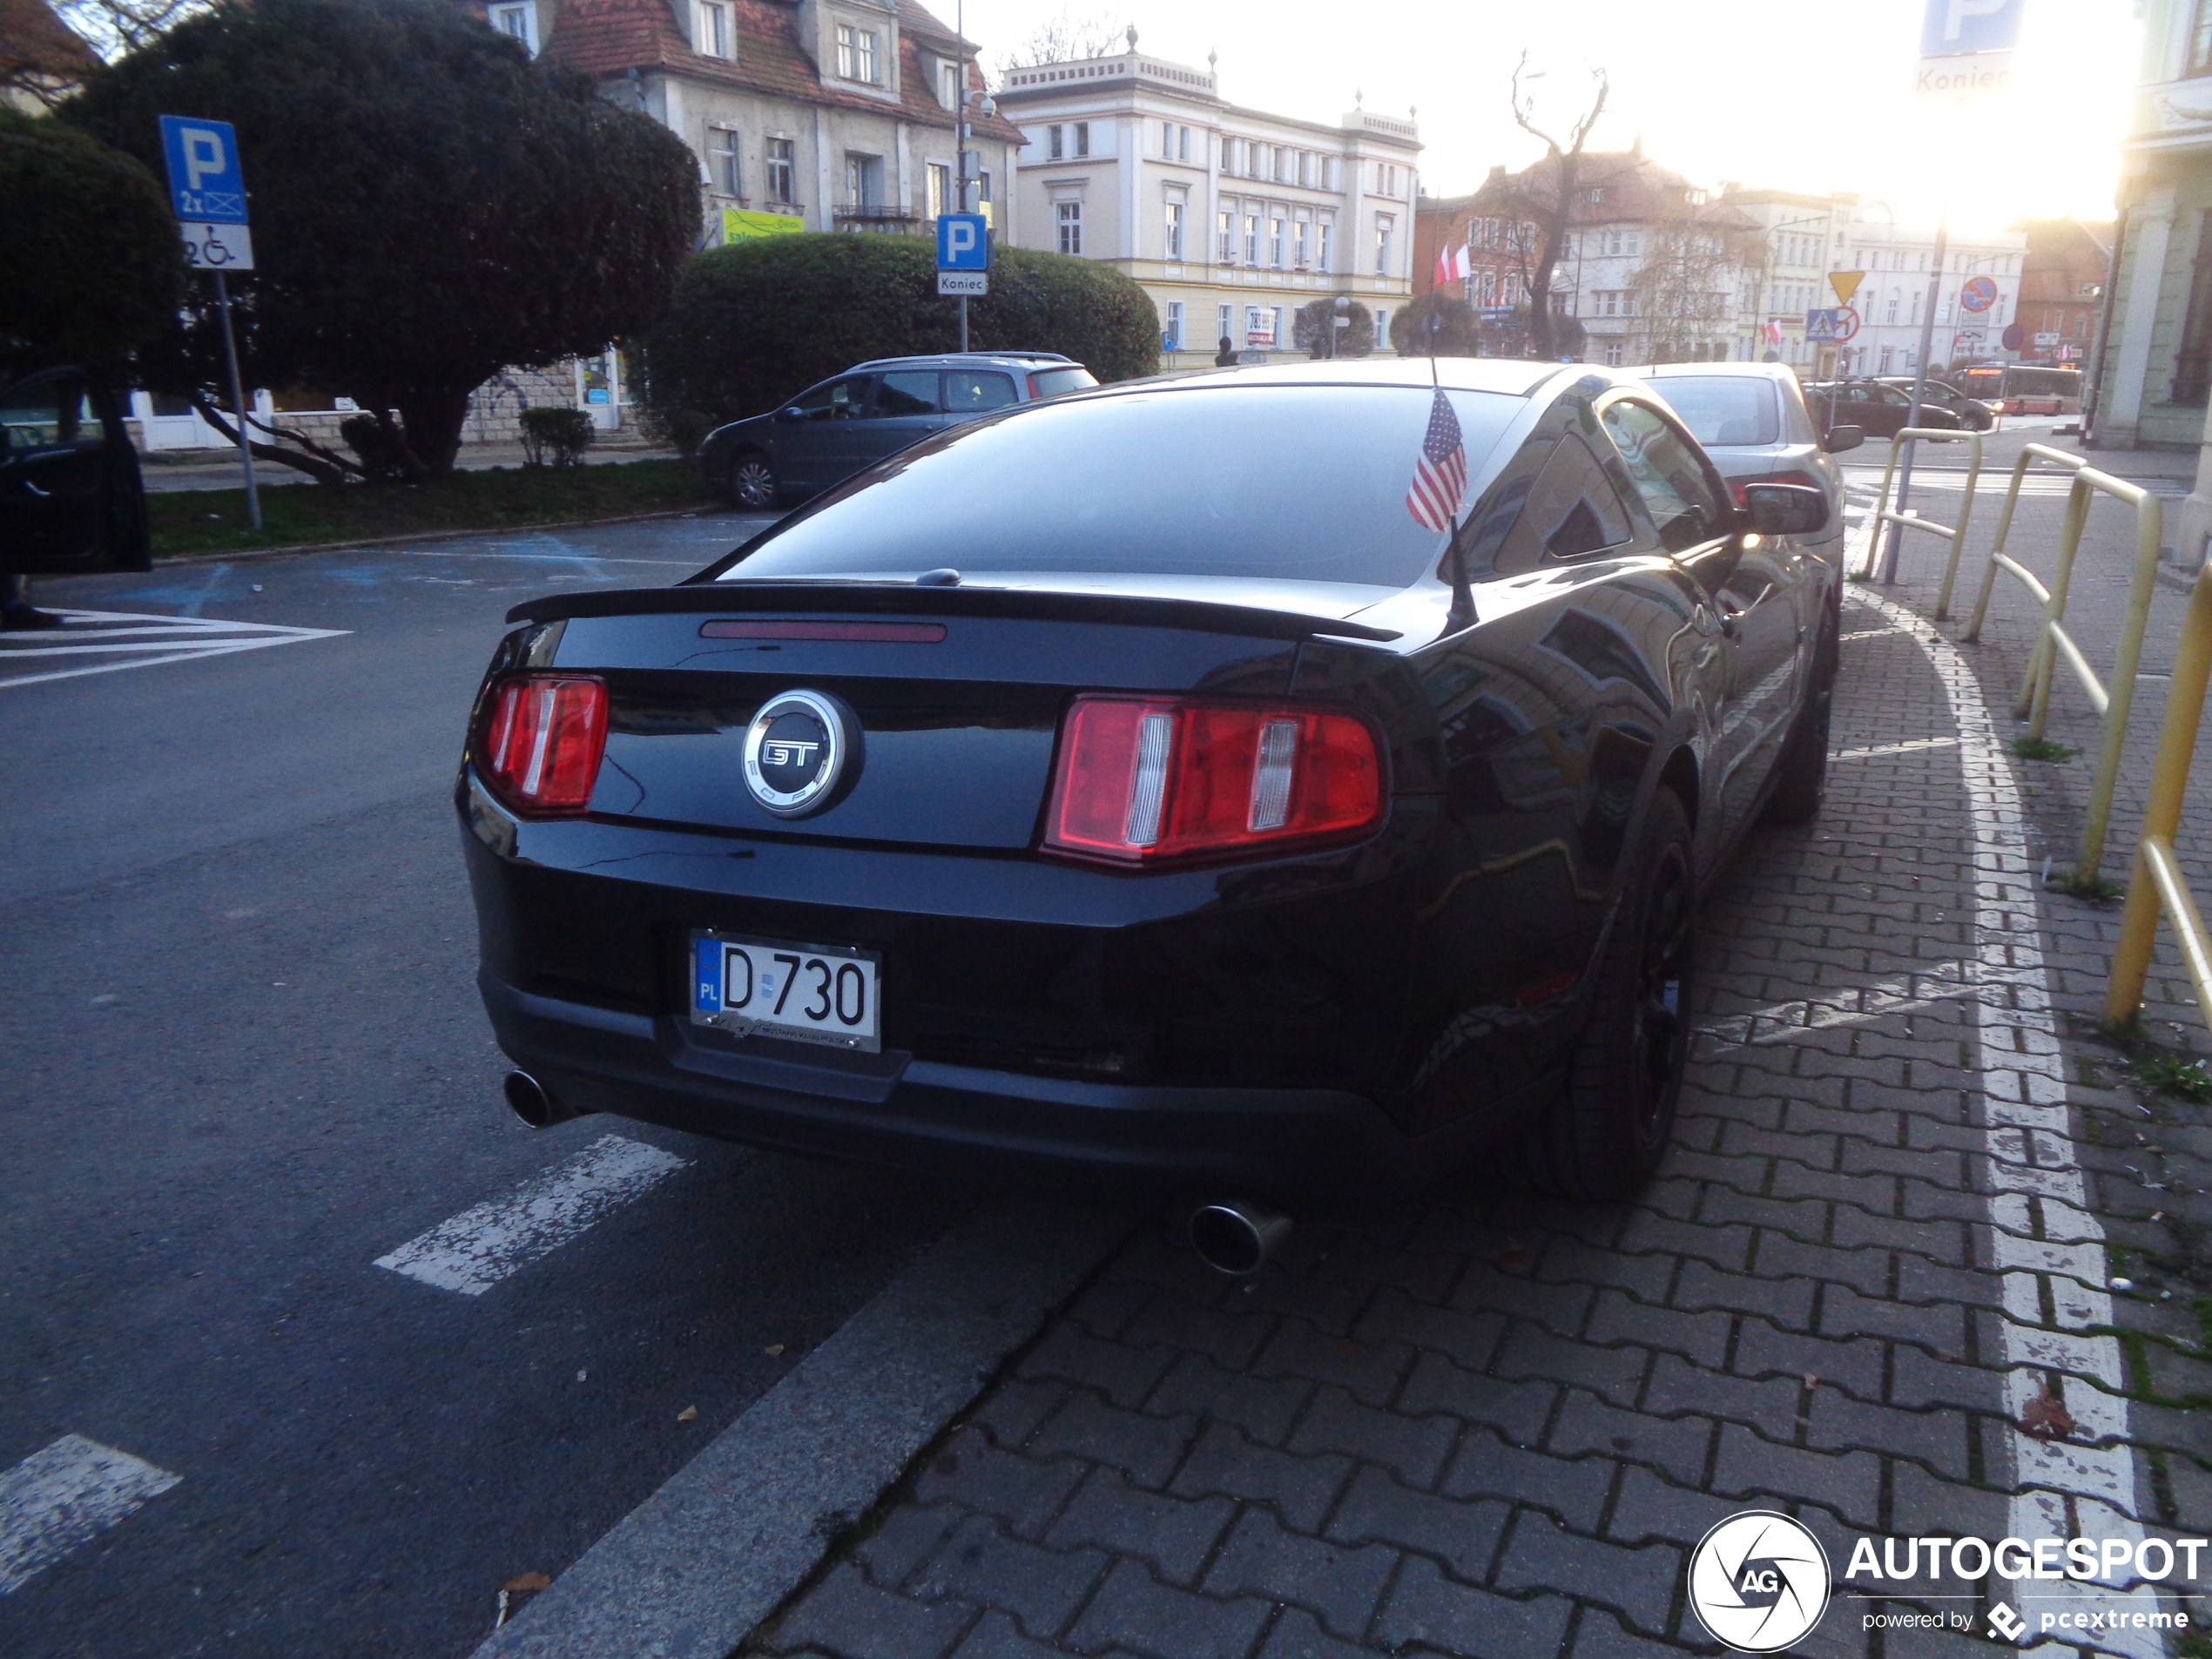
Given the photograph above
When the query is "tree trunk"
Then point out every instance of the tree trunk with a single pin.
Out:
(431, 420)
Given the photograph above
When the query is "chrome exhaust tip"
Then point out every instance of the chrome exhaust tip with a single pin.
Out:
(1236, 1236)
(529, 1100)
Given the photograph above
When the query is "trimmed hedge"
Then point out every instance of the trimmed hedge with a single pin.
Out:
(754, 323)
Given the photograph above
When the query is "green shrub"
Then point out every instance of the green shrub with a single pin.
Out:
(1455, 331)
(1311, 323)
(754, 323)
(682, 430)
(378, 446)
(556, 437)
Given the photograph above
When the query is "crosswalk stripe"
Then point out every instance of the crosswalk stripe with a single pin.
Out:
(138, 641)
(482, 1245)
(65, 1495)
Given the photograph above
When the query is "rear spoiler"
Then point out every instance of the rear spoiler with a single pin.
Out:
(1128, 609)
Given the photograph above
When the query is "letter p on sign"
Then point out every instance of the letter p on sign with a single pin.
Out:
(1953, 26)
(203, 157)
(963, 243)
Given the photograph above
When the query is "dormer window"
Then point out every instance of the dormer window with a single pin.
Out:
(948, 85)
(856, 54)
(714, 38)
(518, 22)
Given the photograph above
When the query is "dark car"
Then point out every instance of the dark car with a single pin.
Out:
(1135, 788)
(831, 431)
(1973, 415)
(1876, 408)
(70, 497)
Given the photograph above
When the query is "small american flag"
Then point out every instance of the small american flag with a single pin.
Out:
(1440, 475)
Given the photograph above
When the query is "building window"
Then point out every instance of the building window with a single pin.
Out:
(1303, 244)
(1182, 143)
(519, 21)
(1223, 316)
(1275, 241)
(1614, 302)
(948, 85)
(726, 161)
(1069, 218)
(1275, 325)
(856, 53)
(1382, 327)
(1172, 332)
(1082, 137)
(1612, 356)
(940, 188)
(1172, 244)
(1252, 238)
(1285, 164)
(714, 38)
(779, 170)
(2193, 358)
(1055, 143)
(863, 180)
(1384, 226)
(1228, 250)
(1321, 262)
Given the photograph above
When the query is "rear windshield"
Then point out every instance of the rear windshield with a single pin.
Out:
(1724, 409)
(1286, 482)
(1051, 383)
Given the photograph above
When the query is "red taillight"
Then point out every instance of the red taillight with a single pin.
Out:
(542, 744)
(1738, 485)
(1147, 780)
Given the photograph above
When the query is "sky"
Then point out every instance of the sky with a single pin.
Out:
(1776, 94)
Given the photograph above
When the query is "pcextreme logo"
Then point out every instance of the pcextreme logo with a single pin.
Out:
(1760, 1582)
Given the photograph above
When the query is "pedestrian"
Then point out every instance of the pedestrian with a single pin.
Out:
(1226, 357)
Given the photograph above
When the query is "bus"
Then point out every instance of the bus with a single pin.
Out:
(2022, 388)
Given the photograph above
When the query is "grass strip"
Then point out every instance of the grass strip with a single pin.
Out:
(186, 522)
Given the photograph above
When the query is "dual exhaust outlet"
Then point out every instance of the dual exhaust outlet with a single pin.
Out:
(1233, 1236)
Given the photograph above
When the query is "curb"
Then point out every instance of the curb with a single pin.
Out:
(260, 554)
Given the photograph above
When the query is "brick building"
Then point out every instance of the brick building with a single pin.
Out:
(2062, 286)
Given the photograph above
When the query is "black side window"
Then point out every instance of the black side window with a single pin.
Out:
(906, 391)
(1571, 509)
(837, 400)
(1670, 474)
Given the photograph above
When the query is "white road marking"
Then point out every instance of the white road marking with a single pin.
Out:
(1780, 1022)
(63, 1496)
(2048, 1239)
(1905, 747)
(1867, 633)
(139, 641)
(479, 1247)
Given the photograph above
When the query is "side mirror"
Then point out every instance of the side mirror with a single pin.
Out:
(788, 416)
(1783, 509)
(1841, 438)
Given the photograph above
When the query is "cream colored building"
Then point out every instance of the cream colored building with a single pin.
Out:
(1231, 218)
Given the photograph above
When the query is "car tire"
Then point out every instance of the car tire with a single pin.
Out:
(1602, 1140)
(1801, 775)
(754, 483)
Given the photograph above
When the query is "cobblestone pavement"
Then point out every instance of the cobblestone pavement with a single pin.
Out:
(1479, 1423)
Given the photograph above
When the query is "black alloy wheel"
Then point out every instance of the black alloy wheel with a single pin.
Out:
(752, 482)
(1603, 1139)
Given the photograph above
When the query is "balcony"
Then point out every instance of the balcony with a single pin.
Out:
(876, 216)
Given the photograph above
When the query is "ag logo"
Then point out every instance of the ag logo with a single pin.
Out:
(796, 750)
(1758, 1581)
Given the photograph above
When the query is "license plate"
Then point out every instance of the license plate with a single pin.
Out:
(822, 994)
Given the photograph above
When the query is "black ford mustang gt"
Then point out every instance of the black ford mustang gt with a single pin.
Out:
(1135, 786)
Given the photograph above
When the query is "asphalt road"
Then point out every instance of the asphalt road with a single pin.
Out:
(241, 1058)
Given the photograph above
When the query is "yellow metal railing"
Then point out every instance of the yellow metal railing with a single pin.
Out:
(2113, 701)
(2159, 887)
(1908, 519)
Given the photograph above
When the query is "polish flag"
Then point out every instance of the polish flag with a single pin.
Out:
(1452, 264)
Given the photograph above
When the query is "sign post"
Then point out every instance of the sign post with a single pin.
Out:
(207, 189)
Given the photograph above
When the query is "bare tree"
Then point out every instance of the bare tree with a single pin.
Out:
(1065, 39)
(1695, 264)
(118, 26)
(1547, 195)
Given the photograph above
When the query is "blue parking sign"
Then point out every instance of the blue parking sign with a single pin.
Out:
(1955, 26)
(206, 183)
(963, 242)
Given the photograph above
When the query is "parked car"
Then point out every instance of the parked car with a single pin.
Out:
(1753, 422)
(831, 431)
(1877, 409)
(1973, 413)
(1132, 787)
(70, 498)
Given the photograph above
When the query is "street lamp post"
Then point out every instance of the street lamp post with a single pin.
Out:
(1340, 318)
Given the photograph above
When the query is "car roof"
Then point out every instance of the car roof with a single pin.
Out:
(1514, 376)
(956, 358)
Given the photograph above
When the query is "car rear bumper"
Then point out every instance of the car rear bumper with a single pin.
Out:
(1304, 1147)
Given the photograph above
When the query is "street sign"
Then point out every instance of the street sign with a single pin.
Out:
(1846, 324)
(2014, 337)
(1979, 294)
(207, 190)
(963, 244)
(1966, 47)
(2050, 339)
(973, 284)
(1845, 284)
(1820, 326)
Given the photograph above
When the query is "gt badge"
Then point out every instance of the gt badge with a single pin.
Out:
(796, 750)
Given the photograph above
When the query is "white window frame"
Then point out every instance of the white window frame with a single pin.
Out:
(1386, 236)
(727, 153)
(1067, 227)
(1082, 137)
(1055, 139)
(779, 170)
(505, 17)
(1225, 317)
(1176, 211)
(1225, 228)
(1323, 230)
(1174, 326)
(715, 35)
(939, 188)
(1277, 246)
(857, 59)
